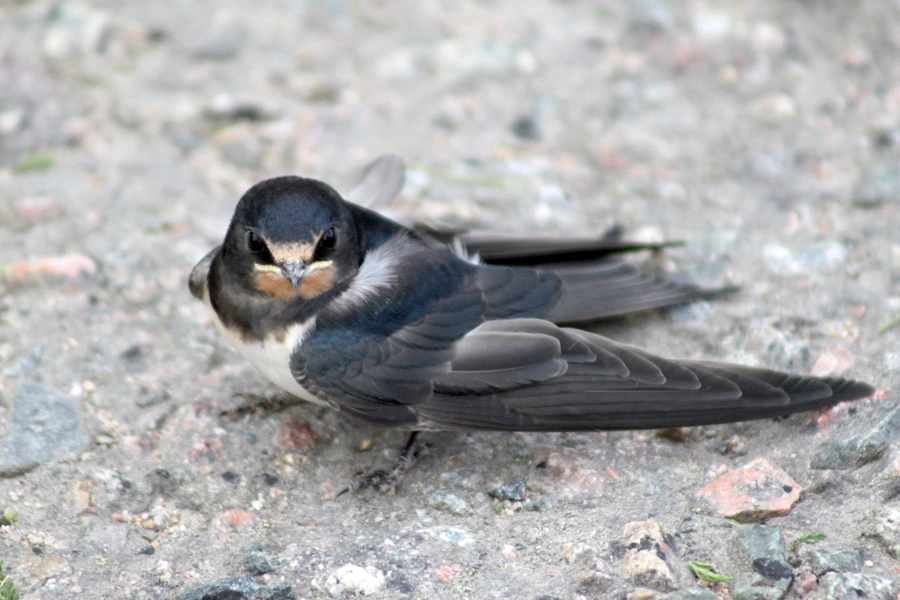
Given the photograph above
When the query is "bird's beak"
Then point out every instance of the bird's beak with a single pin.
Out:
(294, 271)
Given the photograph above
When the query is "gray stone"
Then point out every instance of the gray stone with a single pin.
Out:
(257, 563)
(448, 502)
(880, 182)
(238, 588)
(853, 586)
(771, 575)
(858, 450)
(887, 529)
(514, 492)
(223, 42)
(43, 424)
(453, 535)
(824, 560)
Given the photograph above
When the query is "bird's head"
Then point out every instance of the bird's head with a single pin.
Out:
(291, 238)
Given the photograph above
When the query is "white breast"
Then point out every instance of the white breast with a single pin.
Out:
(273, 357)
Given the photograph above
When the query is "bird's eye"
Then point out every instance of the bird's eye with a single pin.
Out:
(326, 243)
(258, 247)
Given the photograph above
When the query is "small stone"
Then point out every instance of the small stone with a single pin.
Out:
(776, 107)
(69, 265)
(11, 120)
(448, 502)
(879, 183)
(852, 586)
(858, 450)
(652, 16)
(578, 552)
(888, 481)
(222, 42)
(352, 579)
(647, 553)
(43, 424)
(257, 563)
(832, 362)
(514, 492)
(26, 364)
(525, 128)
(239, 588)
(295, 434)
(711, 25)
(453, 535)
(763, 548)
(751, 493)
(887, 529)
(596, 585)
(824, 560)
(35, 209)
(779, 259)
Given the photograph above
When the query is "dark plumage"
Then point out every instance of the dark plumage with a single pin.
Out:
(401, 330)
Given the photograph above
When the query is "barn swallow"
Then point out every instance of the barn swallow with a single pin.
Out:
(337, 304)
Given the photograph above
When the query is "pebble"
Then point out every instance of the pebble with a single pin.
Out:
(887, 529)
(762, 548)
(851, 586)
(69, 266)
(295, 434)
(35, 209)
(257, 563)
(652, 16)
(525, 128)
(449, 502)
(878, 183)
(453, 535)
(514, 492)
(754, 492)
(223, 42)
(858, 450)
(239, 588)
(43, 424)
(780, 260)
(887, 483)
(26, 364)
(353, 579)
(648, 551)
(824, 560)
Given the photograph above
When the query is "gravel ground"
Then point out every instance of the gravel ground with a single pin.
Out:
(764, 134)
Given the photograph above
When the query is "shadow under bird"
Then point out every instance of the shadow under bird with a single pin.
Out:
(338, 304)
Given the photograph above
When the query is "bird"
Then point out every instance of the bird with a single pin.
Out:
(417, 328)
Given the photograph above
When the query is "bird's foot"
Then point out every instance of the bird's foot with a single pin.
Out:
(386, 480)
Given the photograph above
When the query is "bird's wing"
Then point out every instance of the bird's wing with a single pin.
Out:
(597, 283)
(380, 184)
(529, 375)
(384, 355)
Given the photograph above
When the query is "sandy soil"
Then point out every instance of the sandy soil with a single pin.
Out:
(764, 134)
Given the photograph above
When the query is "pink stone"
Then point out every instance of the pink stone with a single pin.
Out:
(752, 493)
(70, 265)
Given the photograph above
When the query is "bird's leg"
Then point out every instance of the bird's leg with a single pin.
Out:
(386, 480)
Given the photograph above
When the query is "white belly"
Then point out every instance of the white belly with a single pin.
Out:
(273, 358)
